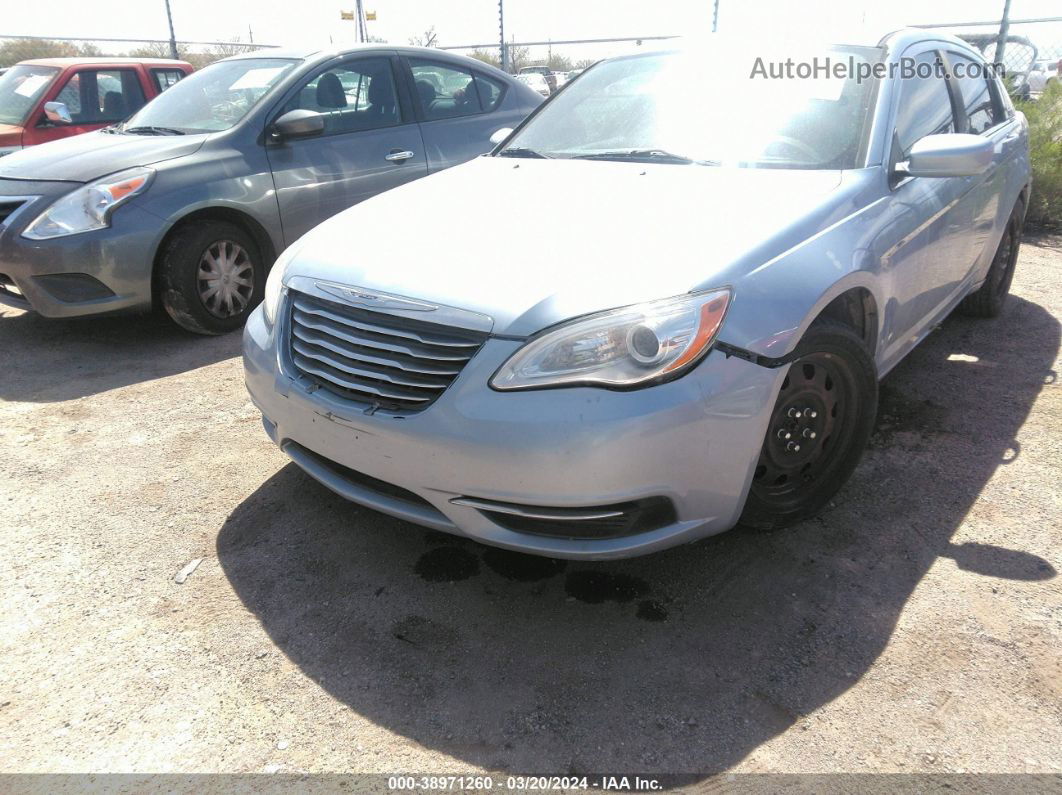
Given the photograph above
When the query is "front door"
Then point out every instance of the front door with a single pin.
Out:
(929, 221)
(370, 144)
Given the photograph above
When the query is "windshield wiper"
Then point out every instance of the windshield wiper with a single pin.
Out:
(646, 155)
(522, 151)
(152, 131)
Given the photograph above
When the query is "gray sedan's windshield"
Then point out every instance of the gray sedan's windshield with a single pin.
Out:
(708, 108)
(212, 99)
(20, 88)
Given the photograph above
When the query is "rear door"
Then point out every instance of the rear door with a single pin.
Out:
(459, 110)
(371, 142)
(985, 114)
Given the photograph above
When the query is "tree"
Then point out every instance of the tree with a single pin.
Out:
(486, 56)
(427, 39)
(519, 57)
(559, 63)
(12, 51)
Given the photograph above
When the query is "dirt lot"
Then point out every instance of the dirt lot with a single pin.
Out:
(917, 626)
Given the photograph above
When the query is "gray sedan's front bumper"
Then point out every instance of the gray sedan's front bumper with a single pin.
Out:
(694, 441)
(103, 271)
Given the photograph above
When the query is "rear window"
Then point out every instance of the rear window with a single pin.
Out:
(164, 78)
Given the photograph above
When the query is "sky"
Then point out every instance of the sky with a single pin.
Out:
(317, 22)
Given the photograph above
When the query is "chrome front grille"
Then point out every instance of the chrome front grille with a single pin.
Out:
(374, 358)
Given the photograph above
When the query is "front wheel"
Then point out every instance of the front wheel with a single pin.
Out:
(211, 277)
(819, 427)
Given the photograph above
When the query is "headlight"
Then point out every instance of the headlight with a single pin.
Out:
(275, 283)
(90, 206)
(622, 347)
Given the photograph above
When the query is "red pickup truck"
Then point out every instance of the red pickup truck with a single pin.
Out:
(49, 98)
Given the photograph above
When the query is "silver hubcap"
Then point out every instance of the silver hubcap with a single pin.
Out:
(226, 279)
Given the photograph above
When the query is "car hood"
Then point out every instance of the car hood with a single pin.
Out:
(81, 158)
(533, 242)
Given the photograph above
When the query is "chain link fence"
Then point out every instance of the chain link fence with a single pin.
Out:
(1031, 54)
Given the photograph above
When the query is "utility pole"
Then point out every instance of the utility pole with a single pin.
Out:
(1004, 30)
(173, 39)
(359, 22)
(501, 36)
(250, 34)
(715, 16)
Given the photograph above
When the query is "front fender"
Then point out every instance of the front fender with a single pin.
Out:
(775, 303)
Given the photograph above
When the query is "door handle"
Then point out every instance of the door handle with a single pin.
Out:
(398, 155)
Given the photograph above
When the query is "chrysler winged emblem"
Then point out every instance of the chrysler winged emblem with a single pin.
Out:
(374, 300)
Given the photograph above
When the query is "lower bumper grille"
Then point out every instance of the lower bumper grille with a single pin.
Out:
(375, 358)
(597, 522)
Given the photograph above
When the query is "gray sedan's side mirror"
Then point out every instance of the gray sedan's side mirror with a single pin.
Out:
(949, 155)
(500, 135)
(57, 113)
(298, 124)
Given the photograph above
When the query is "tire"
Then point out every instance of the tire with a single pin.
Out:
(207, 305)
(827, 404)
(988, 300)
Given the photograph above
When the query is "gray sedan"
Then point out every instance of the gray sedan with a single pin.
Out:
(701, 347)
(186, 204)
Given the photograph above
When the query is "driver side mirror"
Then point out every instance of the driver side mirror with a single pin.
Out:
(949, 155)
(298, 124)
(500, 135)
(57, 113)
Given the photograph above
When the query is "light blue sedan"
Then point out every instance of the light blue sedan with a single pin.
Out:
(758, 239)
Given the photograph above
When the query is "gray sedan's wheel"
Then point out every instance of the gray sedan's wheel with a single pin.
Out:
(226, 279)
(211, 276)
(819, 427)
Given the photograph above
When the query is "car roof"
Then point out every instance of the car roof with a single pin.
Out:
(337, 52)
(74, 61)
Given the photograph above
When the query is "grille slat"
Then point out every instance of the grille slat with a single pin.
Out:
(374, 358)
(427, 339)
(352, 352)
(366, 341)
(362, 371)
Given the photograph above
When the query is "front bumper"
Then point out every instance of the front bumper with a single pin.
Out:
(694, 441)
(104, 271)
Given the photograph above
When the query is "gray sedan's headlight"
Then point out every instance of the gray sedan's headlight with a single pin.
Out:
(90, 206)
(622, 347)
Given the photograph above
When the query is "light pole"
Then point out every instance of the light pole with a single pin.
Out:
(173, 39)
(1004, 30)
(501, 35)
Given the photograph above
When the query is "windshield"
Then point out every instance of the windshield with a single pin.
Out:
(712, 108)
(214, 98)
(21, 87)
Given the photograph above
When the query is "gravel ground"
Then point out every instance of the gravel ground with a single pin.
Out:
(916, 626)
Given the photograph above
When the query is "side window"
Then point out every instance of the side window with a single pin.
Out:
(490, 92)
(357, 95)
(970, 76)
(70, 95)
(101, 96)
(118, 94)
(925, 103)
(447, 91)
(164, 78)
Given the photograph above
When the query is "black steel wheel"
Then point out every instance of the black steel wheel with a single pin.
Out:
(819, 427)
(988, 300)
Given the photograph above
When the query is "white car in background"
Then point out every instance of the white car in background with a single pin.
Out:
(535, 81)
(1042, 73)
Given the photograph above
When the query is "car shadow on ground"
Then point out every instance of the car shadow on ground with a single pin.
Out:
(48, 361)
(684, 661)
